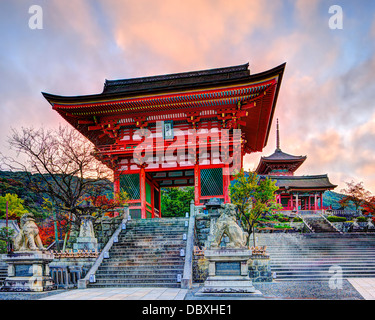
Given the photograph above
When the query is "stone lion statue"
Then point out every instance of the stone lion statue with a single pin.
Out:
(28, 239)
(226, 224)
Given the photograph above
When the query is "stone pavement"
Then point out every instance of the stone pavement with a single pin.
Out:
(365, 286)
(121, 294)
(352, 289)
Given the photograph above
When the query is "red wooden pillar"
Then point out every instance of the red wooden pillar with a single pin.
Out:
(159, 201)
(116, 183)
(226, 183)
(309, 202)
(197, 185)
(142, 176)
(315, 200)
(291, 201)
(152, 201)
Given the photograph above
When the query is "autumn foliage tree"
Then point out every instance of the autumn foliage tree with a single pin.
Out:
(60, 165)
(15, 207)
(355, 193)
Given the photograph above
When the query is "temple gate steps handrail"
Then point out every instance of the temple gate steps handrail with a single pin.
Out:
(305, 223)
(187, 278)
(82, 283)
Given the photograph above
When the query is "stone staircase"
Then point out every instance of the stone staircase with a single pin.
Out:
(147, 254)
(296, 257)
(319, 224)
(3, 272)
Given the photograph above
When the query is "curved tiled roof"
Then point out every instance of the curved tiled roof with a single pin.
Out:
(280, 155)
(319, 182)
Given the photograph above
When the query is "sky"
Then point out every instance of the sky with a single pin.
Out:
(326, 104)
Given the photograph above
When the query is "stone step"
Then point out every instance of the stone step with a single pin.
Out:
(319, 262)
(153, 252)
(142, 244)
(308, 257)
(157, 230)
(140, 281)
(146, 261)
(323, 256)
(137, 275)
(170, 226)
(324, 266)
(130, 284)
(318, 278)
(150, 248)
(141, 269)
(150, 236)
(147, 254)
(139, 278)
(151, 233)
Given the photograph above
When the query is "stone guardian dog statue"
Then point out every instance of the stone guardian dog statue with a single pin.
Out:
(226, 224)
(28, 239)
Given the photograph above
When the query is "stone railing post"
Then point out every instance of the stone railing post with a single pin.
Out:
(187, 279)
(82, 283)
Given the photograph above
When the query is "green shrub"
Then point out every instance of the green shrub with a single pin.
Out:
(297, 219)
(3, 247)
(282, 226)
(361, 219)
(280, 217)
(336, 219)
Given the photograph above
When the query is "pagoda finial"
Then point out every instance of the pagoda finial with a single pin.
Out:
(277, 136)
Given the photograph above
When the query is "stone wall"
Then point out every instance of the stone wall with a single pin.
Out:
(202, 229)
(200, 264)
(260, 269)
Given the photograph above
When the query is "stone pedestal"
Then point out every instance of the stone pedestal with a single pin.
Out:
(28, 271)
(86, 239)
(228, 273)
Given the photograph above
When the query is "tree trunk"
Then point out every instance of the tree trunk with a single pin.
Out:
(67, 232)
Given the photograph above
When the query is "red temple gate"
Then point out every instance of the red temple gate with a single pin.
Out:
(185, 129)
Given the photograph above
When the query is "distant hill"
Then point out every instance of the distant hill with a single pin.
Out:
(17, 183)
(331, 198)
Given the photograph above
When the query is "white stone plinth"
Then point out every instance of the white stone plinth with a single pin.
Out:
(228, 273)
(28, 271)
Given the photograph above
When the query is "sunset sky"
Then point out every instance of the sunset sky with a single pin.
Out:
(326, 106)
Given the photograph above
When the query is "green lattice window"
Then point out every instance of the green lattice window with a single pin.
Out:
(211, 182)
(148, 193)
(130, 184)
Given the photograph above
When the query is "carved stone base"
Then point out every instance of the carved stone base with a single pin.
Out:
(230, 285)
(28, 271)
(228, 273)
(86, 243)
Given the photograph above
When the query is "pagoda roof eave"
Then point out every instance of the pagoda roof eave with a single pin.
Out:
(279, 157)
